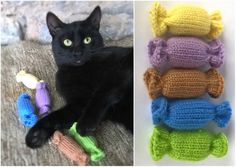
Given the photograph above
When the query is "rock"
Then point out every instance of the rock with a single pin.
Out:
(115, 27)
(12, 29)
(117, 18)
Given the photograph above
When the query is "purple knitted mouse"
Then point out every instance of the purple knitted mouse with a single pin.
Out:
(185, 52)
(42, 98)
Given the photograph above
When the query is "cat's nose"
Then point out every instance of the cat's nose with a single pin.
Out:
(76, 54)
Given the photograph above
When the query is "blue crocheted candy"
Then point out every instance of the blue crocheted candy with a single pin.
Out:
(189, 113)
(26, 110)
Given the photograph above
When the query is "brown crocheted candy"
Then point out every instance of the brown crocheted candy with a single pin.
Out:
(183, 83)
(70, 148)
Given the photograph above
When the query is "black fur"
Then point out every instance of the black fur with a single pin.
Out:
(95, 81)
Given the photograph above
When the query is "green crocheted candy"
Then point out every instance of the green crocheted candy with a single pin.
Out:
(187, 145)
(88, 143)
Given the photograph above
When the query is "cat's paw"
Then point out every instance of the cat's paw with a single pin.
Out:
(85, 127)
(36, 137)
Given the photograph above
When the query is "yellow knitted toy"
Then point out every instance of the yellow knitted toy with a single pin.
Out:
(27, 79)
(185, 20)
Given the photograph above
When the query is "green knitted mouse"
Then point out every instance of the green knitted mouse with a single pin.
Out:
(187, 145)
(88, 143)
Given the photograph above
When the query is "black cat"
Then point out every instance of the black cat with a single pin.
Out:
(95, 81)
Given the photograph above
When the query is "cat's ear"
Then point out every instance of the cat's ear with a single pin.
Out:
(95, 17)
(54, 23)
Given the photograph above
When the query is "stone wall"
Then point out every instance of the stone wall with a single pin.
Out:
(22, 20)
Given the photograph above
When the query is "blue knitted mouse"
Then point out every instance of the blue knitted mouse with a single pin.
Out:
(189, 114)
(26, 110)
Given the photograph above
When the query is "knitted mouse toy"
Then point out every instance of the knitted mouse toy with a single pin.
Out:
(26, 110)
(70, 148)
(187, 114)
(185, 20)
(27, 79)
(183, 83)
(88, 143)
(42, 98)
(185, 52)
(187, 145)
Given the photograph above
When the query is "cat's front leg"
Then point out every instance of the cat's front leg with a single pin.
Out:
(45, 127)
(96, 110)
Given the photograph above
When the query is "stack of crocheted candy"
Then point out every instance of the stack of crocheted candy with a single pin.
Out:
(25, 108)
(175, 93)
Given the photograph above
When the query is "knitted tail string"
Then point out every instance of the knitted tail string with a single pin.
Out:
(156, 52)
(219, 145)
(215, 84)
(216, 25)
(26, 110)
(42, 98)
(153, 82)
(159, 110)
(159, 143)
(223, 114)
(70, 148)
(216, 50)
(88, 143)
(157, 16)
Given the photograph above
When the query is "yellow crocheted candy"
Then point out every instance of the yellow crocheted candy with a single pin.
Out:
(185, 20)
(27, 79)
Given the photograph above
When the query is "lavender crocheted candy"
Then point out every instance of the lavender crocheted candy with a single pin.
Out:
(42, 98)
(185, 52)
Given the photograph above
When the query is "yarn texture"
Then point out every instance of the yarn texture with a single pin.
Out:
(189, 114)
(27, 79)
(70, 148)
(185, 52)
(26, 110)
(183, 83)
(88, 143)
(42, 98)
(186, 20)
(187, 145)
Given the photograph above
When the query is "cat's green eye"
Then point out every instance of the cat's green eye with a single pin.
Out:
(67, 42)
(87, 40)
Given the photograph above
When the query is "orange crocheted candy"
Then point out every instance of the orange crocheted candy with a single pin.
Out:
(70, 148)
(183, 83)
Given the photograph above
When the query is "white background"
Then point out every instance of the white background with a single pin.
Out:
(143, 121)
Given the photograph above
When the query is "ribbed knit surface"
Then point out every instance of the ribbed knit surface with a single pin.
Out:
(88, 143)
(185, 52)
(187, 145)
(29, 80)
(70, 148)
(42, 98)
(185, 20)
(188, 114)
(183, 83)
(26, 111)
